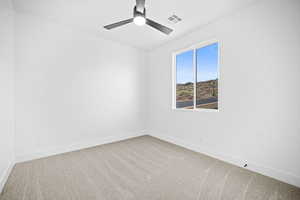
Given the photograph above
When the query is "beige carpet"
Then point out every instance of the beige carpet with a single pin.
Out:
(137, 169)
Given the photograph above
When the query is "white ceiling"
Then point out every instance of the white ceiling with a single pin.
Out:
(92, 15)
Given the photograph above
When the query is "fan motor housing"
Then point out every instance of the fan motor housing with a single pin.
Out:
(137, 13)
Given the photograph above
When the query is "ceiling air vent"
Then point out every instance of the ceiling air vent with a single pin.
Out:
(174, 19)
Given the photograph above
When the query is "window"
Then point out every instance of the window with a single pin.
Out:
(196, 77)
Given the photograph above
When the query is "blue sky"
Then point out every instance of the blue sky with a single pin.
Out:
(207, 64)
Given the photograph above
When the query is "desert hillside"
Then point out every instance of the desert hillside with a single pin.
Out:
(205, 90)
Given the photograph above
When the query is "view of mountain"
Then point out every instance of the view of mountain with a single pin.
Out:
(206, 94)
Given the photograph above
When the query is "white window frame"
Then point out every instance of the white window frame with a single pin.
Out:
(174, 82)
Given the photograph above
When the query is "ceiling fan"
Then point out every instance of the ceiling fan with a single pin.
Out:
(139, 18)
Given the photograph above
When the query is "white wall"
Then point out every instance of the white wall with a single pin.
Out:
(73, 89)
(259, 118)
(6, 89)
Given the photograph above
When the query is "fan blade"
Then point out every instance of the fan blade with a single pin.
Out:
(121, 23)
(158, 26)
(140, 5)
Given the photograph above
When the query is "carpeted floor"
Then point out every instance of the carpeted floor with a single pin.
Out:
(142, 168)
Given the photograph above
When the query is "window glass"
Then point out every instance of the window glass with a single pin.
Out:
(185, 80)
(207, 77)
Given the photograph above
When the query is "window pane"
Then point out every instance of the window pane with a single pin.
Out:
(184, 80)
(207, 77)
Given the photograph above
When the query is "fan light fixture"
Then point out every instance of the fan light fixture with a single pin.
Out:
(139, 20)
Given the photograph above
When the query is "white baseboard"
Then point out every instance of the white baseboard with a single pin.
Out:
(252, 166)
(76, 146)
(5, 175)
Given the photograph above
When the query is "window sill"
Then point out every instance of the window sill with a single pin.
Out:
(195, 110)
